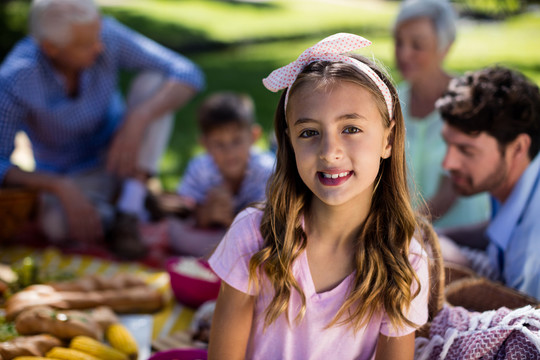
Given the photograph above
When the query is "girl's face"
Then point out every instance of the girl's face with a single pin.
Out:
(338, 138)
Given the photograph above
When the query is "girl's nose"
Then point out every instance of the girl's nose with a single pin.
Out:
(331, 148)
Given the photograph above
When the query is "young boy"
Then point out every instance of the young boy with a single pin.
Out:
(226, 178)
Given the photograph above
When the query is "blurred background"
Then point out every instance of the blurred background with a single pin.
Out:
(239, 42)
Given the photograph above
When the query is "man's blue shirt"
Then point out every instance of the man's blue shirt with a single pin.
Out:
(514, 234)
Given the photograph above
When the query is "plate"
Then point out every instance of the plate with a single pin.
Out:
(140, 327)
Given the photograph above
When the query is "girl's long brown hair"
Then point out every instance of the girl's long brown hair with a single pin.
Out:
(384, 274)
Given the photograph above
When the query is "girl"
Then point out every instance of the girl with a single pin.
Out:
(328, 268)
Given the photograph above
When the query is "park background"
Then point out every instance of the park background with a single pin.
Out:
(237, 43)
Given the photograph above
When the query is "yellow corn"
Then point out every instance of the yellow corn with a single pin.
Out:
(120, 338)
(32, 358)
(69, 354)
(93, 347)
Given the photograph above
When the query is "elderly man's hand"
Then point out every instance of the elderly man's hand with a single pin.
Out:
(122, 158)
(84, 222)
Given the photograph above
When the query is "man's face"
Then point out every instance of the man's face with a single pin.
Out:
(475, 163)
(81, 51)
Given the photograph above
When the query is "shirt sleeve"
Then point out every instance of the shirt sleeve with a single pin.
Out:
(197, 179)
(418, 310)
(261, 166)
(521, 265)
(137, 52)
(11, 115)
(230, 260)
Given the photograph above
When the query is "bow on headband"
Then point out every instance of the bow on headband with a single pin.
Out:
(328, 49)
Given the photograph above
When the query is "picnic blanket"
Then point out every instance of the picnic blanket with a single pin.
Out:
(172, 318)
(457, 333)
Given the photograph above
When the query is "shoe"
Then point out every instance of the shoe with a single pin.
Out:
(124, 238)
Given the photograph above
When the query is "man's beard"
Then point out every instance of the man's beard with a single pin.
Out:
(490, 182)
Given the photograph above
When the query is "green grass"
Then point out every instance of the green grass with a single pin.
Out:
(249, 53)
(230, 22)
(237, 44)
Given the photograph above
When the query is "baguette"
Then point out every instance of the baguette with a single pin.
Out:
(98, 282)
(135, 299)
(36, 345)
(64, 324)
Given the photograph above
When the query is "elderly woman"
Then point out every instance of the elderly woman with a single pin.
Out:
(424, 31)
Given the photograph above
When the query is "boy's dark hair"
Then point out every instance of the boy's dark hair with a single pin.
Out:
(497, 100)
(225, 108)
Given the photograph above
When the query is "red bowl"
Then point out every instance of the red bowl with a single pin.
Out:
(180, 354)
(190, 289)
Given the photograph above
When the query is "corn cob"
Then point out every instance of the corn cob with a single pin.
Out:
(93, 347)
(120, 338)
(68, 354)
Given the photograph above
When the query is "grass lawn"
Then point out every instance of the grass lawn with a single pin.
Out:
(237, 43)
(253, 40)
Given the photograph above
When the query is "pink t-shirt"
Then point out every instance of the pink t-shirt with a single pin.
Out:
(307, 339)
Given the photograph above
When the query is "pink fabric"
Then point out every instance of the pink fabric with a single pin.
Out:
(308, 339)
(459, 334)
(328, 49)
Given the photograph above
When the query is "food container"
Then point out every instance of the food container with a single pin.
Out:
(180, 354)
(16, 209)
(192, 280)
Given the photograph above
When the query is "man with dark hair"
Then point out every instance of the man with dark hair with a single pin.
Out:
(492, 129)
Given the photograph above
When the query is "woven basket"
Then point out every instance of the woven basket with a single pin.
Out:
(453, 272)
(16, 207)
(481, 294)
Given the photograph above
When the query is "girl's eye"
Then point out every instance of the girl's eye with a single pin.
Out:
(308, 133)
(351, 130)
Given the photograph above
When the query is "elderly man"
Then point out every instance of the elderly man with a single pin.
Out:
(492, 129)
(60, 86)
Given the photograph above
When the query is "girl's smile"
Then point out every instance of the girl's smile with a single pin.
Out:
(334, 178)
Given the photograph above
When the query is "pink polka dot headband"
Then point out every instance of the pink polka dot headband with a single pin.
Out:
(328, 49)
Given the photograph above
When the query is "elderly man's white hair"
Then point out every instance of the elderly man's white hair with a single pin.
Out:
(440, 12)
(51, 19)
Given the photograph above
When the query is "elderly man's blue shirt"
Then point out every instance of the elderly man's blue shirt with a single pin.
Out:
(69, 134)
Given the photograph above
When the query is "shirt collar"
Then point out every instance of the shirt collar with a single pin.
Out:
(509, 214)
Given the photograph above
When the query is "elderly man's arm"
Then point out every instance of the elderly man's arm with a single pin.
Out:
(122, 156)
(83, 220)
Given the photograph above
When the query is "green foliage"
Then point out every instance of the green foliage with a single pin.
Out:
(7, 329)
(490, 9)
(12, 24)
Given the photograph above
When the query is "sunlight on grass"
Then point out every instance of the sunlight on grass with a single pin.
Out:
(252, 40)
(232, 22)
